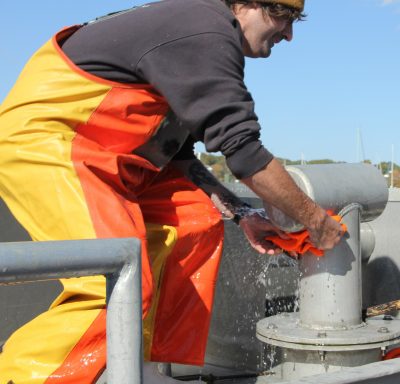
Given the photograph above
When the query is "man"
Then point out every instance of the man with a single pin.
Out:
(97, 141)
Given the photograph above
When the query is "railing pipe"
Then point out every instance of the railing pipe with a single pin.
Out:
(119, 260)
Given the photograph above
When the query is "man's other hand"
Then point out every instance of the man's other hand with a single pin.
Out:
(256, 228)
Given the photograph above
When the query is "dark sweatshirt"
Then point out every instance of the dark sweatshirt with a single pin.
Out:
(190, 51)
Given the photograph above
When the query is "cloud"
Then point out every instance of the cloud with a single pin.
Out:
(388, 2)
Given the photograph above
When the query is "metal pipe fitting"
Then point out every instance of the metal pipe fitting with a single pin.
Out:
(330, 286)
(334, 186)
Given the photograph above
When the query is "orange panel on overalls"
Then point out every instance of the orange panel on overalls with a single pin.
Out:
(68, 172)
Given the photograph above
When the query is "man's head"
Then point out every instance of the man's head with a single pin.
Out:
(265, 23)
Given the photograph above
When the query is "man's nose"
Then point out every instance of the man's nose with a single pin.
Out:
(288, 32)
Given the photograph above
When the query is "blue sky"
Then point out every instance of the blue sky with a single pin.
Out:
(339, 76)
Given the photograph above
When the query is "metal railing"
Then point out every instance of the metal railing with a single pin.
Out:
(119, 260)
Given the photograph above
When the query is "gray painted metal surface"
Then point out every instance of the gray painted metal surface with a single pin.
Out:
(296, 363)
(335, 186)
(330, 286)
(284, 330)
(381, 269)
(10, 228)
(381, 236)
(21, 303)
(119, 260)
(384, 372)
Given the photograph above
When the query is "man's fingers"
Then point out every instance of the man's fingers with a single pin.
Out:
(259, 248)
(271, 248)
(256, 229)
(265, 247)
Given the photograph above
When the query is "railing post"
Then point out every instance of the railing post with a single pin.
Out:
(124, 336)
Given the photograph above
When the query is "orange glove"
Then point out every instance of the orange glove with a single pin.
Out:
(299, 242)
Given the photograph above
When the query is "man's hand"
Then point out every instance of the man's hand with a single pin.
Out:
(325, 232)
(256, 228)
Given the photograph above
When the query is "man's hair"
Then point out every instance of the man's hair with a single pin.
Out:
(273, 9)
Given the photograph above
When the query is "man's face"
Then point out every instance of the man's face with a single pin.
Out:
(261, 31)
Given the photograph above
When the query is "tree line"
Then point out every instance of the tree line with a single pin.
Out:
(217, 165)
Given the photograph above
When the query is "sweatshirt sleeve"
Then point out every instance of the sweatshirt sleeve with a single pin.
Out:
(201, 76)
